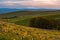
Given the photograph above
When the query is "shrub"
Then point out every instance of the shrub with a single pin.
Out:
(45, 23)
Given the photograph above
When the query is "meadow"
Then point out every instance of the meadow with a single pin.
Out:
(10, 31)
(15, 26)
(23, 18)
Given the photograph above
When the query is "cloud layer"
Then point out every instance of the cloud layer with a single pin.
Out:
(30, 3)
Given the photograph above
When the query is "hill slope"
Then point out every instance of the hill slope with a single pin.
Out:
(24, 13)
(23, 17)
(10, 31)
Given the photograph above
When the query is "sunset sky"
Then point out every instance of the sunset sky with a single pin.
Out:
(30, 3)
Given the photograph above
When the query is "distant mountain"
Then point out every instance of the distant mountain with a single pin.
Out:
(40, 8)
(6, 10)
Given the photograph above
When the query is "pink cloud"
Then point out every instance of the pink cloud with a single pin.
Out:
(34, 3)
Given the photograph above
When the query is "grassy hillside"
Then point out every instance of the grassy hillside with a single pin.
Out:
(23, 17)
(10, 31)
(25, 13)
(11, 26)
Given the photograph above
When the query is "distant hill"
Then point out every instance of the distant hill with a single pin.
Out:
(24, 13)
(7, 10)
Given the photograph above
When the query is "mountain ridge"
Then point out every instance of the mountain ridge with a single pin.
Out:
(7, 10)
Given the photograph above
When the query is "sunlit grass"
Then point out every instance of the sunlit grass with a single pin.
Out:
(12, 31)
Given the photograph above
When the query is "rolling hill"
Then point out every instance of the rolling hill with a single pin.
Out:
(24, 13)
(11, 31)
(14, 26)
(23, 17)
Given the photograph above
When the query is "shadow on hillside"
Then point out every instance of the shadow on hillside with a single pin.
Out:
(45, 23)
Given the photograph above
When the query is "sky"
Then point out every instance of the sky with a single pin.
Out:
(29, 3)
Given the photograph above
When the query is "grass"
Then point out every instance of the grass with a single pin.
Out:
(17, 32)
(24, 20)
(12, 29)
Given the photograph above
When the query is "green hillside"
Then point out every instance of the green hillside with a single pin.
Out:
(24, 13)
(23, 17)
(15, 26)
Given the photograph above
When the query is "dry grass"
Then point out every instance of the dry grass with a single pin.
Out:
(10, 31)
